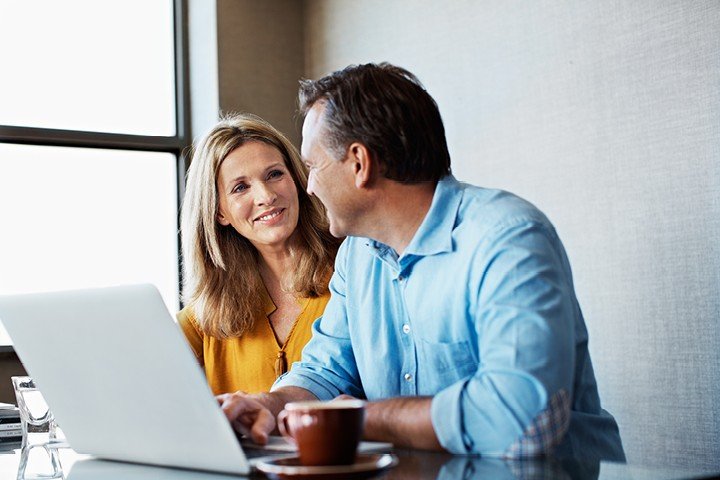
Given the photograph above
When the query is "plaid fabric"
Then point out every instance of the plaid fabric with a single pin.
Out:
(546, 431)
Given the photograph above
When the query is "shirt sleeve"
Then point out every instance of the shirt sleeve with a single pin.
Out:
(328, 366)
(193, 335)
(517, 402)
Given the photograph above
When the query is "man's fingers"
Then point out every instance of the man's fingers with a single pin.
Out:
(234, 405)
(344, 397)
(263, 425)
(239, 427)
(247, 416)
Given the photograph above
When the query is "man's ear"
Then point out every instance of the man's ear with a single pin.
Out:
(362, 164)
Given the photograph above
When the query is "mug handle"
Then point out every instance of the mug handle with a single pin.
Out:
(284, 429)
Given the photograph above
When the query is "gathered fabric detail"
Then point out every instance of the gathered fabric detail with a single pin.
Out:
(546, 431)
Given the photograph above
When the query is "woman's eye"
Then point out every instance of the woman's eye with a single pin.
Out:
(241, 187)
(275, 174)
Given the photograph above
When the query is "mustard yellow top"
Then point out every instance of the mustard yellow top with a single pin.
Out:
(249, 362)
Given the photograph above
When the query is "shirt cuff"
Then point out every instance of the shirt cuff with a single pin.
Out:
(446, 415)
(322, 390)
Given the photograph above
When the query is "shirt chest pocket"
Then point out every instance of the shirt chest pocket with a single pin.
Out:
(447, 362)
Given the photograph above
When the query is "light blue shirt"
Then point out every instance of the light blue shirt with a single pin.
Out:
(480, 313)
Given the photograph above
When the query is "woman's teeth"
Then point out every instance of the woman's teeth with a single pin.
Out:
(269, 216)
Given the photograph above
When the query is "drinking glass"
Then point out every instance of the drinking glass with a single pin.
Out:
(35, 415)
(31, 469)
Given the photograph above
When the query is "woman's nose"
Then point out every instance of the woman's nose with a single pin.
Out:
(265, 195)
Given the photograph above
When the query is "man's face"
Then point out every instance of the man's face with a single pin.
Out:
(329, 179)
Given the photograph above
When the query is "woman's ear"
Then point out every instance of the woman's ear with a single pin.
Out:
(221, 219)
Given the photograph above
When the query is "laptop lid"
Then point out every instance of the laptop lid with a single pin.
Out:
(120, 378)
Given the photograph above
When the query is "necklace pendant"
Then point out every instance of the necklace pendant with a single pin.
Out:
(280, 363)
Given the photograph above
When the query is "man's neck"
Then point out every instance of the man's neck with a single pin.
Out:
(400, 210)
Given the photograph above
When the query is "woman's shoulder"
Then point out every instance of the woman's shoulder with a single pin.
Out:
(187, 319)
(315, 306)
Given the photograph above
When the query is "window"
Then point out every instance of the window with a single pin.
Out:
(92, 130)
(88, 65)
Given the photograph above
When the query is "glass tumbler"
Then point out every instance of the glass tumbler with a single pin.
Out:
(35, 415)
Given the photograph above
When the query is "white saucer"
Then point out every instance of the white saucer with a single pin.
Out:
(365, 465)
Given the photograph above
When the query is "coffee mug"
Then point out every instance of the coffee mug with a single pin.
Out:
(325, 433)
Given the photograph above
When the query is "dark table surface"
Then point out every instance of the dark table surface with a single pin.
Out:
(426, 465)
(412, 465)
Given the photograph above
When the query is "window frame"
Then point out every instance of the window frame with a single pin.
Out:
(178, 145)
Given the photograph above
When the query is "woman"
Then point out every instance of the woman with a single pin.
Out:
(257, 255)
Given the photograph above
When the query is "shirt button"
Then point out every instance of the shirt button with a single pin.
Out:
(406, 328)
(408, 377)
(401, 278)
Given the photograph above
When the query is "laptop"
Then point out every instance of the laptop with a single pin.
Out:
(120, 378)
(93, 469)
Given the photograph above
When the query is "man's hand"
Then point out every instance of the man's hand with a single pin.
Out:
(254, 415)
(343, 397)
(248, 415)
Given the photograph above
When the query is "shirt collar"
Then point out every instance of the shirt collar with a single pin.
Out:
(435, 232)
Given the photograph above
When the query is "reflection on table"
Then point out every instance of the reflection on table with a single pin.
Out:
(43, 462)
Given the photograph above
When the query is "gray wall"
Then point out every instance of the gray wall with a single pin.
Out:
(607, 116)
(246, 56)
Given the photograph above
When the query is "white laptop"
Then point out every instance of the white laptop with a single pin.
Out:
(120, 378)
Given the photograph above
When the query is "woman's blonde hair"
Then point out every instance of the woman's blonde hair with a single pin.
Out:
(222, 281)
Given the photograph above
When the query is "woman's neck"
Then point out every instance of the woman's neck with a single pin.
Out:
(275, 268)
(277, 263)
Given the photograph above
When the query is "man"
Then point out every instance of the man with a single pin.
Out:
(453, 310)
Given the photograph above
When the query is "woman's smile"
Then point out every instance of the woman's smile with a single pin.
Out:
(271, 217)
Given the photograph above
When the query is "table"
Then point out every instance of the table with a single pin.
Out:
(413, 465)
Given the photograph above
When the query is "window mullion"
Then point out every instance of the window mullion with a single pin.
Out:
(73, 138)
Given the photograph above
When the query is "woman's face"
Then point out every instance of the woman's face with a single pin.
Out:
(257, 196)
